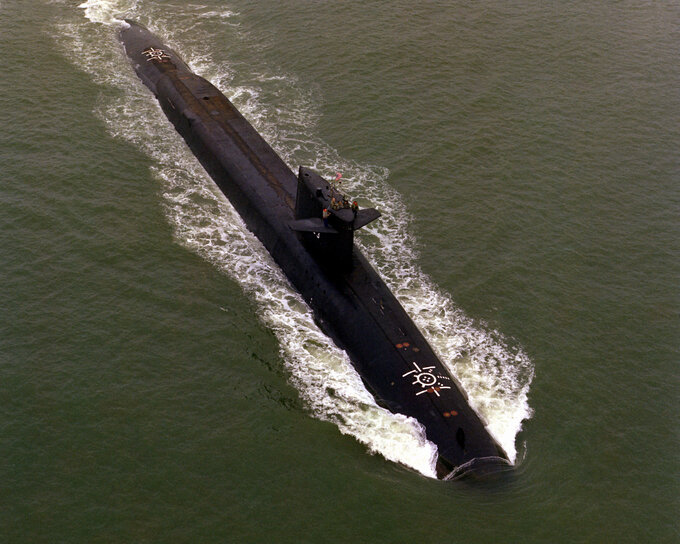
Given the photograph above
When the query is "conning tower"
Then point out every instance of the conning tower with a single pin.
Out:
(325, 226)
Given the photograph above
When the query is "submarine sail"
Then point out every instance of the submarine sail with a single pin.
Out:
(309, 231)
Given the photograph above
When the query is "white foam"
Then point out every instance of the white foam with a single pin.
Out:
(495, 377)
(224, 14)
(107, 11)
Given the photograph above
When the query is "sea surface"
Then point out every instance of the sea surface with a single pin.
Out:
(160, 380)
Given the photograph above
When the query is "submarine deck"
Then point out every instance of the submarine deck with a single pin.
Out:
(353, 306)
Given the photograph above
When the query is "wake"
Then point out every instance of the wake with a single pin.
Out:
(495, 374)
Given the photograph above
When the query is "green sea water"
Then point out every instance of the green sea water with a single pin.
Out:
(161, 382)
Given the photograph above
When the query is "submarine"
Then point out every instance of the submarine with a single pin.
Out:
(305, 224)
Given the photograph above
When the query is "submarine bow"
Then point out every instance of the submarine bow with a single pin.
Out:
(304, 224)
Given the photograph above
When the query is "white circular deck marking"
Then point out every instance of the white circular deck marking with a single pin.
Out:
(427, 380)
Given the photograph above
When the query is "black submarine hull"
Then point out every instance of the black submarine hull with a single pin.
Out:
(350, 301)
